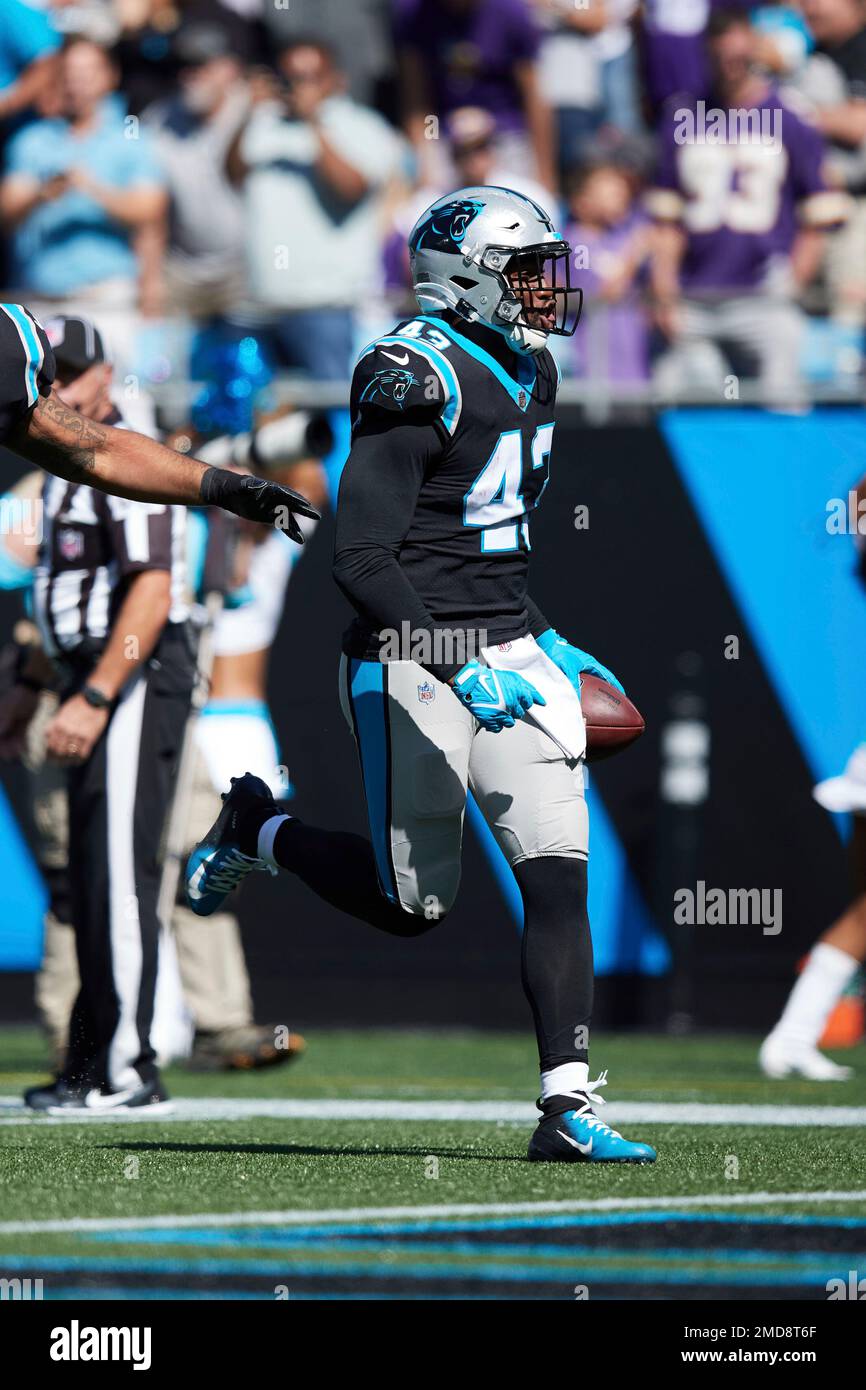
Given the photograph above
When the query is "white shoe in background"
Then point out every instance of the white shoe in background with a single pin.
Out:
(780, 1057)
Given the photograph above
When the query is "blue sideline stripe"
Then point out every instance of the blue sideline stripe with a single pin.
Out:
(136, 1293)
(249, 1235)
(129, 1292)
(367, 696)
(498, 1250)
(624, 1273)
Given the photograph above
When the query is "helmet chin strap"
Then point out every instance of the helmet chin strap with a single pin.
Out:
(526, 341)
(519, 337)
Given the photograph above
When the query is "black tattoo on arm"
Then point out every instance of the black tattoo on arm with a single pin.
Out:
(60, 440)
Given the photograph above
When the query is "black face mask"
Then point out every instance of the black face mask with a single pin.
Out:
(543, 270)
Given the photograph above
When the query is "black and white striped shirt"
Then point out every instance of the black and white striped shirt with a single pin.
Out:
(91, 545)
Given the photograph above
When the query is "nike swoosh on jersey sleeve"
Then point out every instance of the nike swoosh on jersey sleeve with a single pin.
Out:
(409, 379)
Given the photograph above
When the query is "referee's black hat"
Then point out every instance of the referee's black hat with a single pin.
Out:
(76, 342)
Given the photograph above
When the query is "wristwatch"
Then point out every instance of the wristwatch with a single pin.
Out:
(97, 698)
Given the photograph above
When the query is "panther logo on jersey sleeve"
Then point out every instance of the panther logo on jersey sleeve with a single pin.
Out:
(389, 387)
(446, 227)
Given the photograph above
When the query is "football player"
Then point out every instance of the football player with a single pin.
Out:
(452, 679)
(36, 424)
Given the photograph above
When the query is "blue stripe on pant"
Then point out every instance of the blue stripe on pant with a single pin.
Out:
(368, 701)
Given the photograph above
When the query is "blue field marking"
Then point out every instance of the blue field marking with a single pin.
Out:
(135, 1293)
(257, 1235)
(536, 1252)
(489, 1273)
(87, 1293)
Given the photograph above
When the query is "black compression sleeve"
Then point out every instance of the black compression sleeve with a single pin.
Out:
(378, 493)
(557, 966)
(537, 621)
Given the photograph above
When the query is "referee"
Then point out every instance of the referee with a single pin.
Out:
(109, 602)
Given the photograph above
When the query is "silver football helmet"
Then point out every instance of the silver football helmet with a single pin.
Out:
(491, 255)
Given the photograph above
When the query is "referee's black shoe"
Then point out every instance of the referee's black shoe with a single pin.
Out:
(61, 1098)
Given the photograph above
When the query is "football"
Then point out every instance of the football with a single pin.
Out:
(612, 721)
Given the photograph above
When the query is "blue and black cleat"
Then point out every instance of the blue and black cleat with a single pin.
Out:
(217, 864)
(571, 1132)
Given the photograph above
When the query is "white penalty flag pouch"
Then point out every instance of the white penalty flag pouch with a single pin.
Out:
(561, 717)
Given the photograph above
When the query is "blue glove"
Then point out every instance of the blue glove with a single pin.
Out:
(571, 660)
(496, 698)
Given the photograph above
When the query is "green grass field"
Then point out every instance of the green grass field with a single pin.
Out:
(369, 1169)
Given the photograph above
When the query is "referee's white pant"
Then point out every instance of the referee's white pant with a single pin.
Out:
(118, 801)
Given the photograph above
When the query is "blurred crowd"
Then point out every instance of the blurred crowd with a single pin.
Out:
(190, 172)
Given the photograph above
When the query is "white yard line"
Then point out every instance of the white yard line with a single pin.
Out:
(364, 1214)
(13, 1112)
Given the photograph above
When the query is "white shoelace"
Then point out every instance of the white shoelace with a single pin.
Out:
(234, 867)
(589, 1098)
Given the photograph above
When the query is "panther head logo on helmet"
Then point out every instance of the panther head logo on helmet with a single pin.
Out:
(446, 226)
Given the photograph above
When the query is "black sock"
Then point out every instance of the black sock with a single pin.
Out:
(251, 823)
(556, 963)
(339, 867)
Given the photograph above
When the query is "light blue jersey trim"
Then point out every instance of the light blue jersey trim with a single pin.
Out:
(525, 382)
(32, 347)
(443, 368)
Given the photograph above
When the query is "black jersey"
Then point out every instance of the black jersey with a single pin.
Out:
(479, 476)
(26, 365)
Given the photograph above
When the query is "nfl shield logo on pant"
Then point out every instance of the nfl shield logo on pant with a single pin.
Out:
(426, 693)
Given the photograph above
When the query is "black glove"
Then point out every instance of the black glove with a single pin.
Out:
(256, 499)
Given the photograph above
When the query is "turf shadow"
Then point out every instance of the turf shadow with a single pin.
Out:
(316, 1151)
